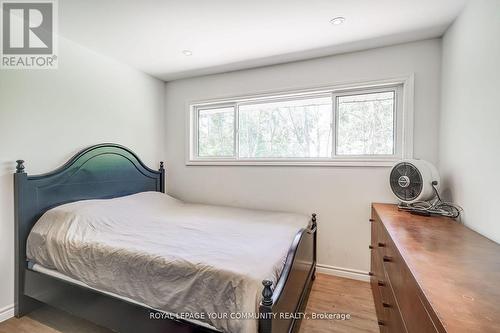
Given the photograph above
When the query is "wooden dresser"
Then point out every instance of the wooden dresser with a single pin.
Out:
(432, 274)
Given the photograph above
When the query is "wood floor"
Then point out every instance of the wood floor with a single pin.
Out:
(329, 295)
(332, 294)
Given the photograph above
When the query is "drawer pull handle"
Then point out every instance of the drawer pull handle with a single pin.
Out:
(380, 244)
(386, 305)
(381, 323)
(370, 247)
(387, 259)
(381, 283)
(370, 273)
(371, 220)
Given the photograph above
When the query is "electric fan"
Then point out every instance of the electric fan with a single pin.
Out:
(412, 180)
(415, 184)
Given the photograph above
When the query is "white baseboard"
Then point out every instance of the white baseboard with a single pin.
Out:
(343, 272)
(6, 312)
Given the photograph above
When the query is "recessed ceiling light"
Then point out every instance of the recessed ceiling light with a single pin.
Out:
(337, 20)
(187, 52)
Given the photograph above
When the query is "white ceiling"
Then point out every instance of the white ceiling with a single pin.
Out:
(224, 35)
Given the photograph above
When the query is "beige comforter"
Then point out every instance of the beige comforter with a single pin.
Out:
(173, 256)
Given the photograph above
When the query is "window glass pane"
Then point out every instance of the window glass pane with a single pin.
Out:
(298, 128)
(366, 124)
(216, 132)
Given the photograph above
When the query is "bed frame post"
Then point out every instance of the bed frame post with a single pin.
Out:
(265, 308)
(22, 303)
(162, 178)
(20, 166)
(314, 226)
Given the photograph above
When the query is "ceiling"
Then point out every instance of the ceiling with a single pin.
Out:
(225, 35)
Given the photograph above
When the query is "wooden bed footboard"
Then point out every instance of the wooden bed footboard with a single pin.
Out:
(280, 308)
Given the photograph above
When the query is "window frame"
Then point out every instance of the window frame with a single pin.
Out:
(403, 124)
(196, 129)
(397, 122)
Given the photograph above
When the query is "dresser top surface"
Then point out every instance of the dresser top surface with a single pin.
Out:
(457, 269)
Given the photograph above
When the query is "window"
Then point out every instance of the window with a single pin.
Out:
(365, 124)
(295, 128)
(328, 126)
(216, 132)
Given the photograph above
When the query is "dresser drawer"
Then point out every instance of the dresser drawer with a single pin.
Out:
(377, 299)
(392, 314)
(406, 292)
(396, 294)
(377, 267)
(377, 275)
(382, 242)
(377, 278)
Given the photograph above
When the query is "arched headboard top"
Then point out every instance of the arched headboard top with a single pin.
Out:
(105, 170)
(92, 152)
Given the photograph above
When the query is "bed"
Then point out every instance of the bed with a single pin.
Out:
(194, 268)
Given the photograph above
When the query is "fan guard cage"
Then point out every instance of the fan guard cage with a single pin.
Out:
(406, 181)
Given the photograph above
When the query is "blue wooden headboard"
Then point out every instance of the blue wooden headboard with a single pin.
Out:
(98, 172)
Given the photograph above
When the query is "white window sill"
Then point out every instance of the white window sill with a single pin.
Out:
(322, 163)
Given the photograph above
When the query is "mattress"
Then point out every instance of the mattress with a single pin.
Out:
(167, 254)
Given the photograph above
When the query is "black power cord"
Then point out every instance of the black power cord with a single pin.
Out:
(435, 206)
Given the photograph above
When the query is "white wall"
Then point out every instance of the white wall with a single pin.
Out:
(469, 151)
(48, 115)
(340, 195)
